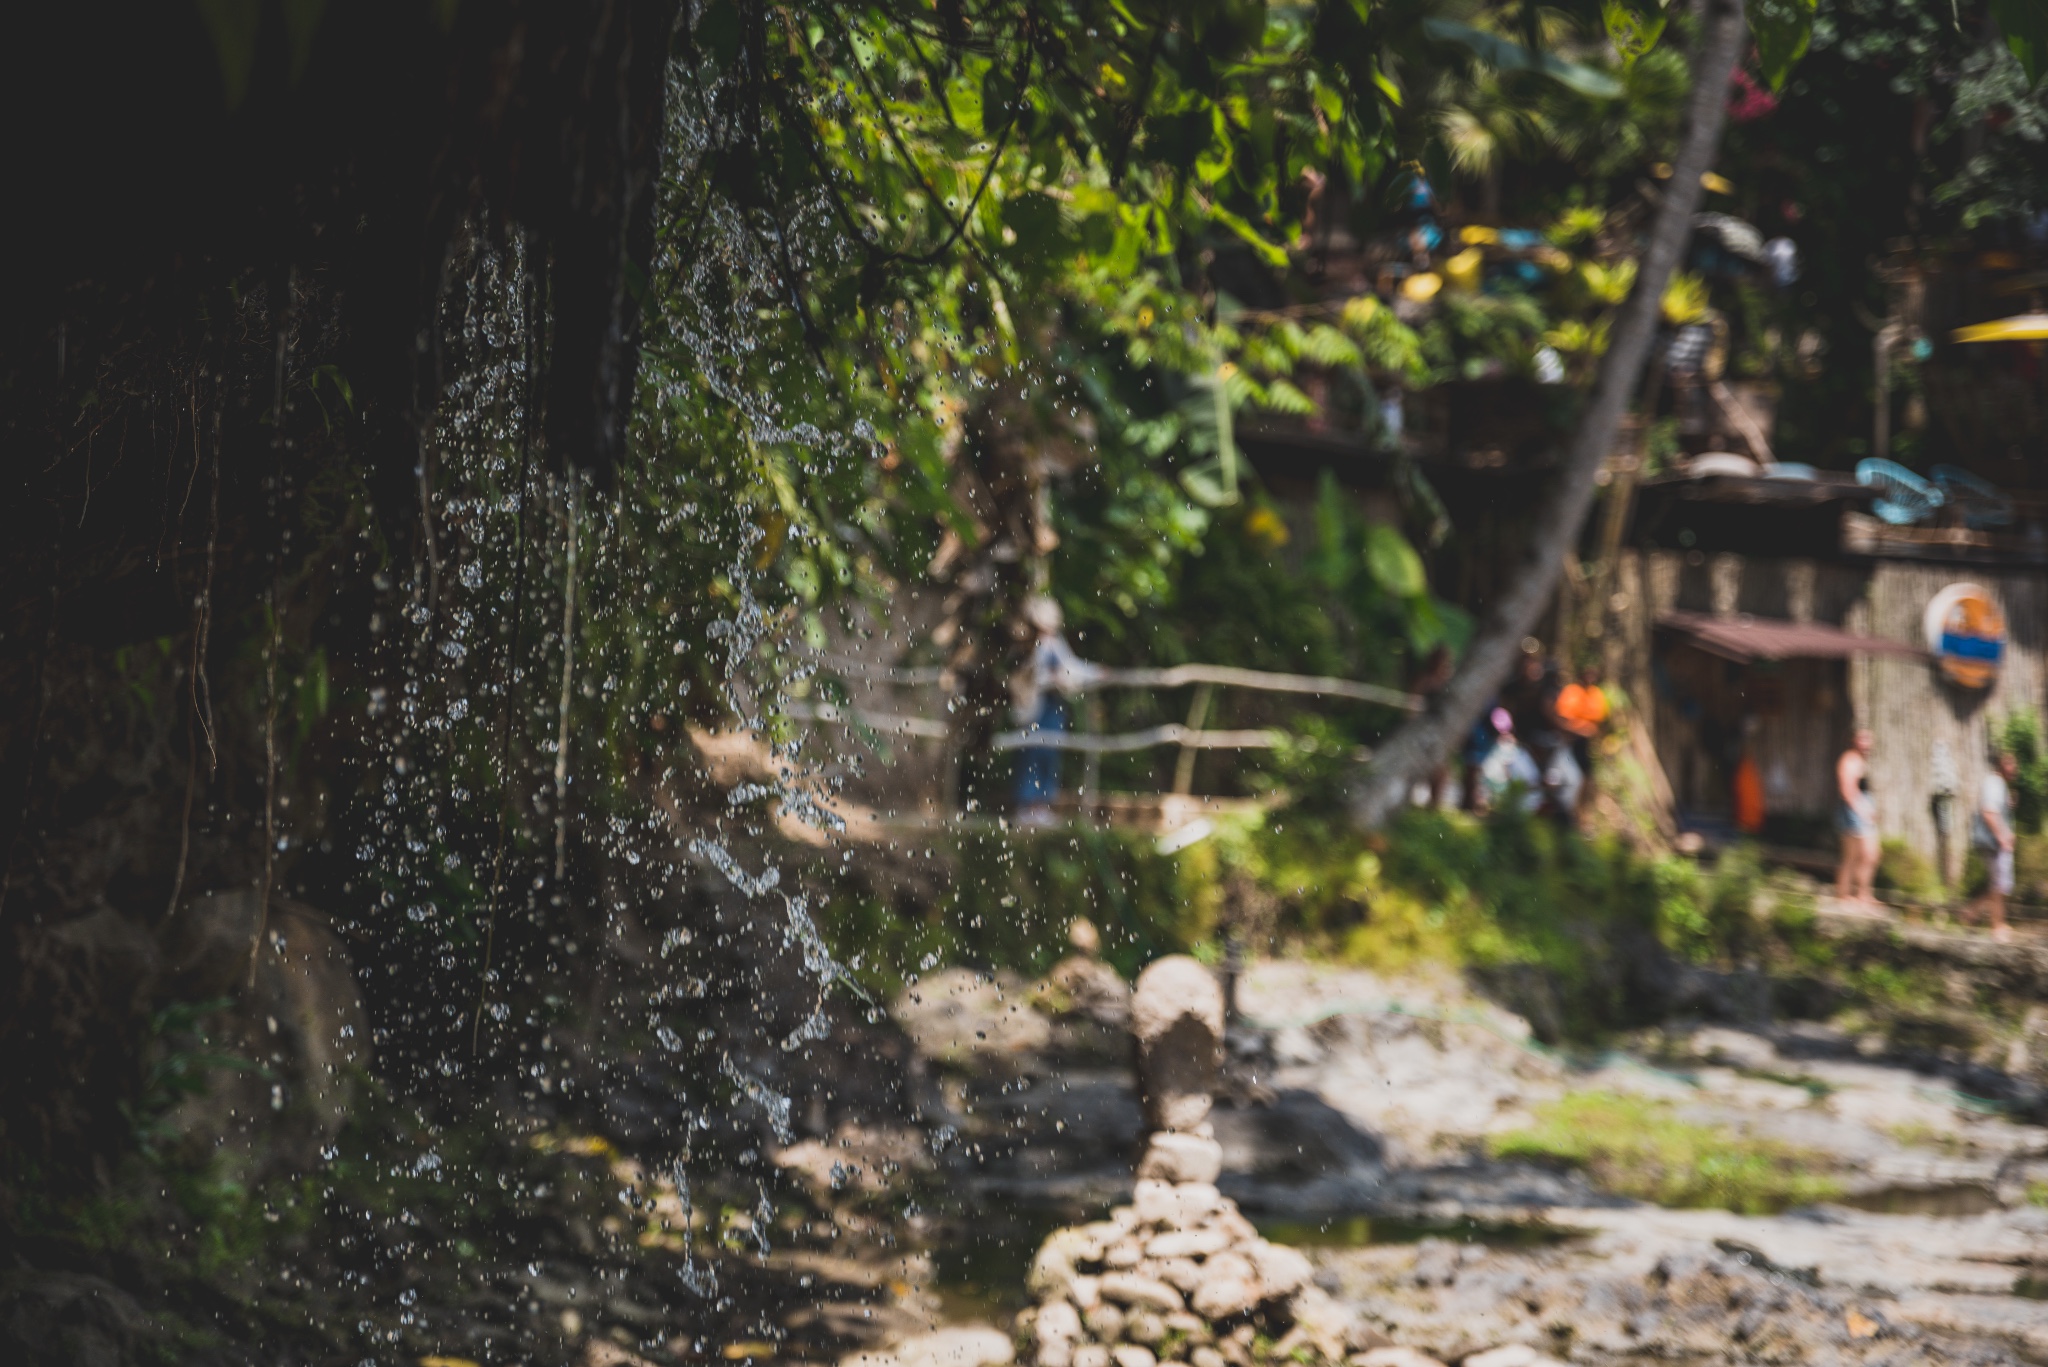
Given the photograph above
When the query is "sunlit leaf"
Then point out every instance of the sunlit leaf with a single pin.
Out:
(1393, 563)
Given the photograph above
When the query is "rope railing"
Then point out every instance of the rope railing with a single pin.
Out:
(1181, 675)
(1173, 733)
(1177, 676)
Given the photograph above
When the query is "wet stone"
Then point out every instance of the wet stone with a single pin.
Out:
(1177, 1019)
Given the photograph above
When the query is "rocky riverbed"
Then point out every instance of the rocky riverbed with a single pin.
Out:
(1350, 1104)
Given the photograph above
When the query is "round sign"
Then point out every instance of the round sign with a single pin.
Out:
(1966, 635)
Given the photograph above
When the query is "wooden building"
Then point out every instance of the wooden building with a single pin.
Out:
(1773, 616)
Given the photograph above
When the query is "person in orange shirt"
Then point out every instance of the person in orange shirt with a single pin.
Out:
(1582, 710)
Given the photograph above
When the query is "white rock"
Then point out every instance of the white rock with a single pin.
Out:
(1232, 1223)
(1091, 1355)
(1128, 1288)
(1131, 1355)
(1205, 1356)
(1182, 1205)
(1177, 1019)
(1229, 1286)
(1057, 1322)
(1189, 1243)
(1147, 1327)
(1154, 1201)
(1294, 1047)
(1105, 1322)
(1059, 1258)
(1182, 1274)
(1392, 1357)
(1171, 1157)
(965, 1346)
(1280, 1269)
(1322, 1321)
(1509, 1355)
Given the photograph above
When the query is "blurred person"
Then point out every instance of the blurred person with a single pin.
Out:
(1747, 787)
(1856, 820)
(1991, 836)
(1531, 699)
(1508, 766)
(1472, 757)
(1582, 710)
(1038, 698)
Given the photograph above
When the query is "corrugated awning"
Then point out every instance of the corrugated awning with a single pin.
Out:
(1744, 639)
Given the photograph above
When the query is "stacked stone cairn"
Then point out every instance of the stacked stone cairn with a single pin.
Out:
(1178, 1278)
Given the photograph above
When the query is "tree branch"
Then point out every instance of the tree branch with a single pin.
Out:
(1422, 744)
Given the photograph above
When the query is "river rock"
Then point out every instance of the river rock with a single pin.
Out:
(1129, 1288)
(1229, 1287)
(1105, 1321)
(1147, 1327)
(1089, 987)
(966, 1346)
(1174, 1205)
(1180, 1270)
(1281, 1270)
(1171, 1156)
(1394, 1355)
(1324, 1325)
(1177, 1020)
(1059, 1257)
(1189, 1243)
(1057, 1323)
(1510, 1355)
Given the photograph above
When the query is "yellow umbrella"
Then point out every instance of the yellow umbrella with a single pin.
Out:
(2021, 327)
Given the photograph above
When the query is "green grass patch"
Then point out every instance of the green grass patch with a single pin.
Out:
(1634, 1146)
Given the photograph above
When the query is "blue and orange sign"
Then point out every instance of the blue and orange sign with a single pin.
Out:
(1966, 635)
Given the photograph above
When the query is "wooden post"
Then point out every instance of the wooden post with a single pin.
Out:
(1198, 713)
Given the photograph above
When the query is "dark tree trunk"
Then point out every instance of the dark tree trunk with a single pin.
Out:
(1421, 744)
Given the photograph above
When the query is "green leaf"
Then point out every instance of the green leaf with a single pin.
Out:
(1282, 397)
(1632, 31)
(1268, 252)
(1503, 55)
(1393, 563)
(1782, 29)
(1325, 345)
